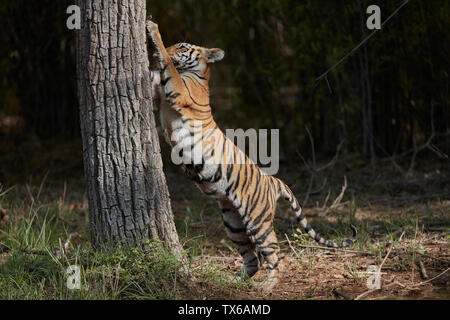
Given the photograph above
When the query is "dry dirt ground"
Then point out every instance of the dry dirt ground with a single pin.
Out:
(404, 224)
(313, 273)
(334, 275)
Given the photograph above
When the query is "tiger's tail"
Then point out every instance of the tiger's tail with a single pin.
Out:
(287, 194)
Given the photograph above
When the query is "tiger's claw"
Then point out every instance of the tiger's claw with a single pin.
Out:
(152, 28)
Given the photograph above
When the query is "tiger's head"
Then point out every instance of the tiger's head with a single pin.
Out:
(188, 57)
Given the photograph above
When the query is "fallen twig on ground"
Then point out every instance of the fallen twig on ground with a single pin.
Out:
(425, 282)
(390, 249)
(219, 258)
(366, 293)
(292, 248)
(423, 271)
(333, 249)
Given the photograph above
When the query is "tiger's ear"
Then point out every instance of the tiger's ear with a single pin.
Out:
(213, 55)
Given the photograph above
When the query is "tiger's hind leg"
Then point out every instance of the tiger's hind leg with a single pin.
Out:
(237, 233)
(268, 246)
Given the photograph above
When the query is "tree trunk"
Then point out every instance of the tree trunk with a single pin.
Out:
(128, 196)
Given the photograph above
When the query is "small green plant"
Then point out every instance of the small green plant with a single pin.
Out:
(309, 294)
(305, 240)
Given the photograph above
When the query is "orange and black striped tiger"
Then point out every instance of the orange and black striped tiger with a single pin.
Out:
(246, 196)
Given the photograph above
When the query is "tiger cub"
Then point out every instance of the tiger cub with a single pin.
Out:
(246, 195)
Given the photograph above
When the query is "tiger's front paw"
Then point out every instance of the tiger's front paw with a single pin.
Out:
(152, 29)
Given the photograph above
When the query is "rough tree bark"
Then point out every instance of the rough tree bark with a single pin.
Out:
(128, 196)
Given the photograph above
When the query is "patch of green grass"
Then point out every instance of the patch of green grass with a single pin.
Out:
(307, 258)
(210, 272)
(147, 271)
(33, 264)
(352, 269)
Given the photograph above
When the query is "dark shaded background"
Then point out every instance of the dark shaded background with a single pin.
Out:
(386, 98)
